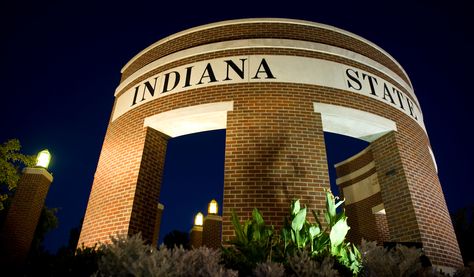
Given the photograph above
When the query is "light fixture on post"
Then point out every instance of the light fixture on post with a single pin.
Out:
(198, 219)
(43, 159)
(213, 207)
(212, 227)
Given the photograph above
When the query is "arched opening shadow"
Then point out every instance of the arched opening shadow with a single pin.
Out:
(193, 175)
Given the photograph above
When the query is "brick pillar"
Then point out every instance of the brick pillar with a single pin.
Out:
(195, 236)
(23, 215)
(275, 152)
(126, 185)
(159, 212)
(147, 192)
(414, 203)
(212, 231)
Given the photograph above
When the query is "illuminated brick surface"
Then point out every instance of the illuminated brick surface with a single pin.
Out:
(275, 149)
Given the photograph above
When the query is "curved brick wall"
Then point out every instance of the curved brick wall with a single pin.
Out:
(275, 147)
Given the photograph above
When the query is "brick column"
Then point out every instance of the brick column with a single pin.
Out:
(212, 231)
(23, 215)
(127, 184)
(195, 236)
(159, 212)
(147, 192)
(413, 199)
(275, 152)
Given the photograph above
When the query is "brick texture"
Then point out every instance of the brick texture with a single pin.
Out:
(195, 237)
(382, 227)
(355, 164)
(275, 148)
(212, 232)
(22, 218)
(413, 198)
(262, 30)
(363, 222)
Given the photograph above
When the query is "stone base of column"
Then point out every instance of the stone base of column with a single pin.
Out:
(212, 231)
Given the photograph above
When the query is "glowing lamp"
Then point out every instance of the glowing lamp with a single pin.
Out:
(198, 219)
(213, 208)
(43, 158)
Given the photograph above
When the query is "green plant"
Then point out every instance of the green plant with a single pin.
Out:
(252, 244)
(256, 242)
(11, 160)
(329, 240)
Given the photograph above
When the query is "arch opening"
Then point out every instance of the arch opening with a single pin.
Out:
(340, 148)
(193, 175)
(194, 163)
(353, 175)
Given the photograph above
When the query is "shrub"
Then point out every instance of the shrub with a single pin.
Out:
(303, 265)
(131, 257)
(398, 261)
(269, 269)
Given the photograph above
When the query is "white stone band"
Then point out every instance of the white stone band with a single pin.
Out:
(39, 171)
(353, 175)
(267, 43)
(266, 68)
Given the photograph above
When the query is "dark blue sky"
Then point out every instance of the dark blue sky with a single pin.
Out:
(60, 62)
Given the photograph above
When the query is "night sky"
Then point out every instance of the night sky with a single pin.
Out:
(60, 63)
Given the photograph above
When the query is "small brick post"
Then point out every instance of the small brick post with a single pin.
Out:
(195, 236)
(212, 231)
(156, 233)
(23, 215)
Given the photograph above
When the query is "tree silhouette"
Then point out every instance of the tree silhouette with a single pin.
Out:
(177, 238)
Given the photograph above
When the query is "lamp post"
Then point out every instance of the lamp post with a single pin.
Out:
(196, 232)
(212, 227)
(25, 210)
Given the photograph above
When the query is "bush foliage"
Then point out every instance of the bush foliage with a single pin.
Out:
(301, 248)
(132, 257)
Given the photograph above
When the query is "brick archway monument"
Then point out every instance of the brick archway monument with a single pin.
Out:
(275, 85)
